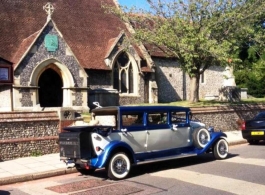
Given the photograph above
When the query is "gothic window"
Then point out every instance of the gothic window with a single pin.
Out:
(123, 74)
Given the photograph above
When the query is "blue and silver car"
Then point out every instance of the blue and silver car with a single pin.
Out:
(121, 136)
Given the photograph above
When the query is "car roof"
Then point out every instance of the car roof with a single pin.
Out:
(115, 109)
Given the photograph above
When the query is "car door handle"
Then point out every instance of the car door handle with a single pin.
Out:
(124, 131)
(174, 127)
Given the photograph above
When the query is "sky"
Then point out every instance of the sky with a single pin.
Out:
(130, 3)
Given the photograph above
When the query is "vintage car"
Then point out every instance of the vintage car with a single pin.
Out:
(121, 136)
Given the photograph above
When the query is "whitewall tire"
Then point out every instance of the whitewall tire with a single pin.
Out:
(221, 149)
(119, 166)
(201, 137)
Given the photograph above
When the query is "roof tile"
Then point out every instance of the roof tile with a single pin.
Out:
(83, 24)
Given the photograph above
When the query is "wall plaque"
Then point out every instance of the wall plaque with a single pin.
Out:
(51, 42)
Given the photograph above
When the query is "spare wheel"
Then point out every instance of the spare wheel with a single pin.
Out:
(201, 137)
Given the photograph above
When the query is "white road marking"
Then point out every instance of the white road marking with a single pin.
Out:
(213, 181)
(248, 161)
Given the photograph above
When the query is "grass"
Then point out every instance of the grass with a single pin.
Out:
(36, 153)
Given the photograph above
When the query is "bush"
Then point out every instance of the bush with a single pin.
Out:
(254, 83)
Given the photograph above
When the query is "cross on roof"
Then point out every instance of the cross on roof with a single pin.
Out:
(49, 9)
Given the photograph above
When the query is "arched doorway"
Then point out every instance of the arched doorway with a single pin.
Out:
(50, 91)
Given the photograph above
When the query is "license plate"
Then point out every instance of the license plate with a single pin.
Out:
(257, 133)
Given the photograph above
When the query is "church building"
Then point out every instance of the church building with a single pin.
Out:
(66, 53)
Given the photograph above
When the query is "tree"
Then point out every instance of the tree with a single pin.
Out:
(250, 72)
(198, 33)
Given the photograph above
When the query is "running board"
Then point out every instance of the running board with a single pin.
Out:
(165, 158)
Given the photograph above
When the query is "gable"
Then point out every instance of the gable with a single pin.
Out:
(84, 26)
(38, 57)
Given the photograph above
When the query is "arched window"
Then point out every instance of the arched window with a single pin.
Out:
(123, 75)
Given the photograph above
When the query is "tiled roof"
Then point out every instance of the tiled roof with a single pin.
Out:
(83, 24)
(110, 46)
(23, 47)
(4, 61)
(158, 51)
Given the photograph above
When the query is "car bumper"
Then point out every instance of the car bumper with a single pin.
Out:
(253, 135)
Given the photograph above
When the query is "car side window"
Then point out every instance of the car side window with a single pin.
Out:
(178, 117)
(156, 118)
(132, 119)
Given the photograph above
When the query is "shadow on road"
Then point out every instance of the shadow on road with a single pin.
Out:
(173, 164)
(260, 143)
(164, 165)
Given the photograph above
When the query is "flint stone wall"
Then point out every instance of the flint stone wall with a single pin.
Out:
(174, 85)
(25, 134)
(226, 118)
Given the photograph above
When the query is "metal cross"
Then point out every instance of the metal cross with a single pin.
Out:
(49, 9)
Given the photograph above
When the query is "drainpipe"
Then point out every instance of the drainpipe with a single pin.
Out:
(11, 95)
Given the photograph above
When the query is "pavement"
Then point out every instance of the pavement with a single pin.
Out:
(32, 168)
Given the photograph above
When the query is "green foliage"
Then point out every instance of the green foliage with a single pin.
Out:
(255, 83)
(198, 33)
(36, 153)
(241, 78)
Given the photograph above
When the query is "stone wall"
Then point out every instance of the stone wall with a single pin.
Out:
(174, 85)
(170, 82)
(28, 134)
(226, 118)
(213, 82)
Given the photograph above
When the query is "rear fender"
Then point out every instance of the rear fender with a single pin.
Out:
(103, 158)
(215, 136)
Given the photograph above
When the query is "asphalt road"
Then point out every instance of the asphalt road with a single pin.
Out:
(242, 173)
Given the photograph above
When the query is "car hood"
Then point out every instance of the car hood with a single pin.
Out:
(196, 124)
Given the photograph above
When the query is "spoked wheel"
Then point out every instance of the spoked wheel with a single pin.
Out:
(221, 149)
(119, 166)
(201, 137)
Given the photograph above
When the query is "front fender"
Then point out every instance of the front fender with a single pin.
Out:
(102, 159)
(214, 137)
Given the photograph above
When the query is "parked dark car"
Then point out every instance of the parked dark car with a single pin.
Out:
(254, 130)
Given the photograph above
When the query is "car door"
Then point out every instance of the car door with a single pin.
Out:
(133, 131)
(181, 135)
(158, 131)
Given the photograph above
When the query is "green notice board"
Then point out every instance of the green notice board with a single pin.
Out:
(51, 42)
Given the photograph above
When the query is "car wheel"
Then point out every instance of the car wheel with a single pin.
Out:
(119, 166)
(201, 137)
(85, 171)
(253, 142)
(221, 149)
